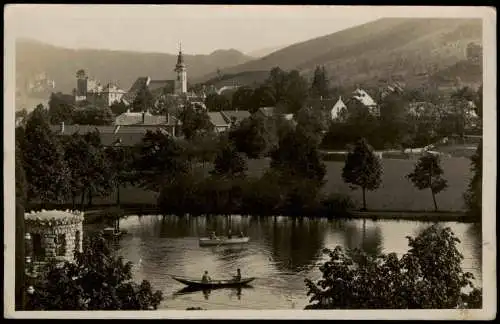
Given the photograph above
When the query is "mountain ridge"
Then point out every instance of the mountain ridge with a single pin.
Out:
(384, 49)
(60, 64)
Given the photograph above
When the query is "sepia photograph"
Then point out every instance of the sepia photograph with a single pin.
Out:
(249, 161)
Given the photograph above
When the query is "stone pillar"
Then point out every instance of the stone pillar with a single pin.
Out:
(49, 244)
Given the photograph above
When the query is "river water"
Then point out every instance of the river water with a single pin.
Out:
(282, 252)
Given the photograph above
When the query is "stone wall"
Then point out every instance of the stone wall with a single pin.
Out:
(49, 235)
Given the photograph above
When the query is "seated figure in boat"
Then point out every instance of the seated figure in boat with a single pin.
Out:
(229, 234)
(206, 277)
(212, 236)
(241, 234)
(238, 275)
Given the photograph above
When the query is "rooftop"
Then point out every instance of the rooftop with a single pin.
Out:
(217, 119)
(54, 217)
(363, 97)
(146, 118)
(126, 135)
(239, 115)
(267, 111)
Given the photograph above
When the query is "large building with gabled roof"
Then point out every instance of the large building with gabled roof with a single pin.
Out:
(157, 88)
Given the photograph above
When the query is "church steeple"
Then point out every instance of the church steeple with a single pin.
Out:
(180, 60)
(180, 68)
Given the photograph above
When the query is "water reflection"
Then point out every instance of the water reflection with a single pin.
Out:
(281, 253)
(295, 243)
(367, 238)
(238, 292)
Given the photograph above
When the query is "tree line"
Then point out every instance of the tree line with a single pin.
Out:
(79, 167)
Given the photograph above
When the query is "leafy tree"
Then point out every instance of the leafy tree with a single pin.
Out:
(118, 108)
(242, 99)
(301, 198)
(216, 102)
(75, 156)
(202, 149)
(311, 123)
(296, 157)
(90, 169)
(263, 196)
(195, 122)
(21, 184)
(296, 92)
(427, 175)
(363, 168)
(229, 162)
(319, 86)
(392, 119)
(473, 196)
(61, 108)
(158, 158)
(277, 82)
(180, 195)
(96, 281)
(93, 115)
(428, 276)
(251, 136)
(46, 173)
(263, 96)
(144, 99)
(120, 161)
(423, 125)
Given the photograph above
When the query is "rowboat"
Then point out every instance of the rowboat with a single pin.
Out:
(206, 241)
(111, 232)
(212, 284)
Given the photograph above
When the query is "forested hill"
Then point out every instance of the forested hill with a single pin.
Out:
(410, 49)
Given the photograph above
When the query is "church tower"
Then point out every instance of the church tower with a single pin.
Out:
(180, 68)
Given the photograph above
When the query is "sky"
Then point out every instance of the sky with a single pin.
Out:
(160, 28)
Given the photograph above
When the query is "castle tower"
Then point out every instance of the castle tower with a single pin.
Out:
(81, 86)
(180, 68)
(52, 235)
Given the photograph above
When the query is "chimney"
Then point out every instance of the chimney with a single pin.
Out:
(62, 127)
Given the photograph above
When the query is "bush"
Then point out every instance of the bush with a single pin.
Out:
(96, 281)
(337, 205)
(333, 156)
(428, 276)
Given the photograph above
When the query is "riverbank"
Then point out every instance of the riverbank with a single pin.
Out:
(424, 215)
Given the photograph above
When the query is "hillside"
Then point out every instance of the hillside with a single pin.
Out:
(61, 64)
(390, 48)
(265, 51)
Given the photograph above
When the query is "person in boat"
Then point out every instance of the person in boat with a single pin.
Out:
(238, 275)
(212, 236)
(229, 234)
(206, 277)
(241, 234)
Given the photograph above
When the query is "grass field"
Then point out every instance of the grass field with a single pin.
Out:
(395, 193)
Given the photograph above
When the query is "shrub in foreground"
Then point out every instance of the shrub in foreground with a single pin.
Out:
(96, 281)
(428, 276)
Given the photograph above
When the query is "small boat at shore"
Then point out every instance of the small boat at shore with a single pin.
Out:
(213, 284)
(111, 232)
(207, 241)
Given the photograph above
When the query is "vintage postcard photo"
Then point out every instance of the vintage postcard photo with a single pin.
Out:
(230, 161)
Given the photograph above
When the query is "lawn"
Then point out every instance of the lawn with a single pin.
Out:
(395, 192)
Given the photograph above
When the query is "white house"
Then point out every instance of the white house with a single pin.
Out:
(363, 97)
(336, 110)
